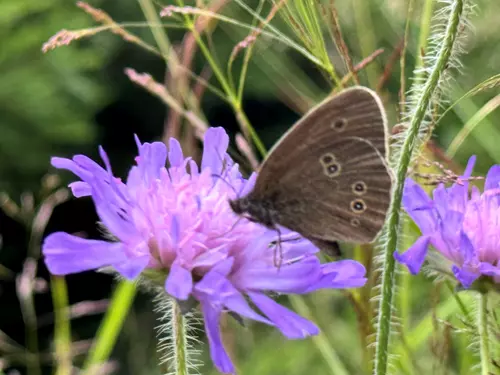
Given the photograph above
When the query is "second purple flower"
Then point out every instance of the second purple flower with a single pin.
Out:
(463, 227)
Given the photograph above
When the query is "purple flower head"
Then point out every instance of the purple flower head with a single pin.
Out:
(177, 221)
(463, 227)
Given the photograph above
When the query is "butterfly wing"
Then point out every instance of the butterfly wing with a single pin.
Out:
(355, 112)
(345, 199)
(328, 178)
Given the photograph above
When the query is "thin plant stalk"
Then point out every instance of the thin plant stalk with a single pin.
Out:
(425, 27)
(62, 329)
(402, 89)
(231, 95)
(246, 61)
(159, 34)
(365, 30)
(482, 325)
(405, 156)
(25, 292)
(110, 327)
(178, 338)
(474, 121)
(321, 342)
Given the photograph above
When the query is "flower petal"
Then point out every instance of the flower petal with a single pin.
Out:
(214, 149)
(414, 257)
(458, 193)
(80, 189)
(489, 270)
(419, 206)
(217, 352)
(466, 278)
(451, 229)
(293, 326)
(440, 197)
(66, 254)
(179, 282)
(215, 289)
(152, 158)
(342, 274)
(132, 267)
(470, 166)
(492, 178)
(290, 278)
(467, 250)
(113, 214)
(80, 165)
(211, 285)
(175, 155)
(248, 185)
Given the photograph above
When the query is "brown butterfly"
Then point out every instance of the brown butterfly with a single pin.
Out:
(327, 178)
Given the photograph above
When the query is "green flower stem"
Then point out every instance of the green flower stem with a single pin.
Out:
(388, 275)
(366, 37)
(158, 32)
(62, 330)
(425, 27)
(482, 325)
(324, 347)
(110, 327)
(179, 340)
(232, 96)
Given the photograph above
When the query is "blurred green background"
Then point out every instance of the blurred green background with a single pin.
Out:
(76, 97)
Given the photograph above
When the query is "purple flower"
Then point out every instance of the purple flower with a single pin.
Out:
(464, 228)
(178, 221)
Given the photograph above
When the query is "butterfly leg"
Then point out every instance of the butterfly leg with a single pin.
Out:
(278, 249)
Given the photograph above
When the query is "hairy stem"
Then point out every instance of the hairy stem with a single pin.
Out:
(176, 339)
(422, 105)
(482, 325)
(179, 338)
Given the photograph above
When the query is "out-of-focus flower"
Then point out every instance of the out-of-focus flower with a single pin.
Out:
(177, 221)
(464, 228)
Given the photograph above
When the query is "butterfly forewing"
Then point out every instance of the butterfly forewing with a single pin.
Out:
(328, 178)
(355, 112)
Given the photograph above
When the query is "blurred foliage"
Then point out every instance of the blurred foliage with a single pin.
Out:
(47, 102)
(69, 100)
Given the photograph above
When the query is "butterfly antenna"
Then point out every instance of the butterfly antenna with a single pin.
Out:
(230, 229)
(225, 181)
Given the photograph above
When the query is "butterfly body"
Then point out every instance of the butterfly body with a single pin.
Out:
(327, 178)
(261, 212)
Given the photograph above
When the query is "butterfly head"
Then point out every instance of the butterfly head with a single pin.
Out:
(253, 211)
(240, 206)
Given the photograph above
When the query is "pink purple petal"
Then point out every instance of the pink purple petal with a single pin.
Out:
(217, 352)
(294, 278)
(66, 254)
(414, 257)
(214, 150)
(342, 274)
(179, 283)
(465, 277)
(293, 326)
(419, 206)
(175, 155)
